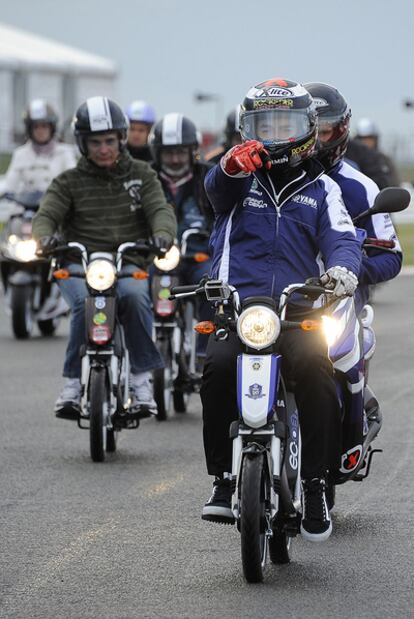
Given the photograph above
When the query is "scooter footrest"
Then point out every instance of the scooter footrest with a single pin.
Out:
(126, 421)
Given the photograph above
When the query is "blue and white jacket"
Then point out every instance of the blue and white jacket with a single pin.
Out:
(359, 192)
(263, 240)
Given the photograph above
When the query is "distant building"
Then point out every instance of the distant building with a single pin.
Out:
(32, 67)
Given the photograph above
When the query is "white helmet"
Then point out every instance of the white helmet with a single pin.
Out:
(366, 128)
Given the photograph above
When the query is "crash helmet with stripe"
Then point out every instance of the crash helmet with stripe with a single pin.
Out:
(281, 115)
(171, 132)
(99, 115)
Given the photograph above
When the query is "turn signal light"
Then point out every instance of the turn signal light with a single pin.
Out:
(140, 275)
(310, 325)
(205, 327)
(61, 274)
(201, 257)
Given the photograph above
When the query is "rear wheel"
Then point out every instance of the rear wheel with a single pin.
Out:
(181, 396)
(279, 545)
(21, 310)
(180, 401)
(163, 381)
(98, 410)
(330, 495)
(110, 440)
(252, 518)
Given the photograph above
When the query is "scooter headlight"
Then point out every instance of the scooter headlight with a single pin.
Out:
(25, 251)
(170, 260)
(100, 274)
(332, 329)
(258, 327)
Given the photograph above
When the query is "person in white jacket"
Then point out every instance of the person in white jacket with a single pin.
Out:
(35, 164)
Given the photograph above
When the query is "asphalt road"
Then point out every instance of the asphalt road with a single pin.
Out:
(124, 539)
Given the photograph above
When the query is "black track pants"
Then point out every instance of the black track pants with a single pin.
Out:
(305, 361)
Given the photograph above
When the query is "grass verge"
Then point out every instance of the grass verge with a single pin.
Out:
(405, 234)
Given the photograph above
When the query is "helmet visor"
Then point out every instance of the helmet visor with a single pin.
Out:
(333, 128)
(276, 126)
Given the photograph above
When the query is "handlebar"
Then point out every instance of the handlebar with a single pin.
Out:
(138, 247)
(379, 243)
(185, 289)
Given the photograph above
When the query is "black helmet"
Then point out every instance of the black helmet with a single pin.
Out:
(171, 131)
(98, 115)
(334, 113)
(39, 111)
(232, 130)
(281, 115)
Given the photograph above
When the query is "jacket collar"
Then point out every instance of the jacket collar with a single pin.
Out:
(281, 188)
(119, 171)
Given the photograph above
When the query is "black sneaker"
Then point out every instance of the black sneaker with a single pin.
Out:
(316, 523)
(218, 507)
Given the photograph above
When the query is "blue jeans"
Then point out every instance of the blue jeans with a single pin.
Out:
(134, 312)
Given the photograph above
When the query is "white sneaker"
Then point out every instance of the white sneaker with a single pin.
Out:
(142, 394)
(67, 405)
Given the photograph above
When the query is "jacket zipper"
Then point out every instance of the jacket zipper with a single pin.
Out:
(278, 206)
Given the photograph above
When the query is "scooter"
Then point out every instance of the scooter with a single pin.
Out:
(265, 476)
(174, 323)
(105, 403)
(30, 295)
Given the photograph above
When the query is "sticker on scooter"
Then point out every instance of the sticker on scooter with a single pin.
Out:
(255, 392)
(100, 302)
(164, 293)
(100, 318)
(350, 459)
(165, 281)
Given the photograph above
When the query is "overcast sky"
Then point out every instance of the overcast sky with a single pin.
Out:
(168, 49)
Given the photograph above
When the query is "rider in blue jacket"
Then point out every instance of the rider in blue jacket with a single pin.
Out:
(358, 191)
(279, 220)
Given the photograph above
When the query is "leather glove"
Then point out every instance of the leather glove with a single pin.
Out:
(45, 245)
(161, 243)
(340, 280)
(247, 158)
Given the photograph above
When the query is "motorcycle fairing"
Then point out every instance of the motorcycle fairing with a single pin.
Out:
(346, 351)
(257, 386)
(347, 357)
(161, 284)
(106, 315)
(369, 342)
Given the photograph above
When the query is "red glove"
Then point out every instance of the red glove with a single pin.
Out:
(246, 157)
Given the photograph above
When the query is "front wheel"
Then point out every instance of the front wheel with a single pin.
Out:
(48, 327)
(163, 381)
(97, 408)
(252, 518)
(21, 310)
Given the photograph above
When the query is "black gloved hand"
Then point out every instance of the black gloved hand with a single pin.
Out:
(45, 245)
(161, 243)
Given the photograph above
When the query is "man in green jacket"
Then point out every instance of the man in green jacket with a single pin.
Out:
(106, 200)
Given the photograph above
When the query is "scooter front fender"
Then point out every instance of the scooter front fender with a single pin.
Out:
(21, 278)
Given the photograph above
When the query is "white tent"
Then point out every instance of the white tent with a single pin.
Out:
(34, 67)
